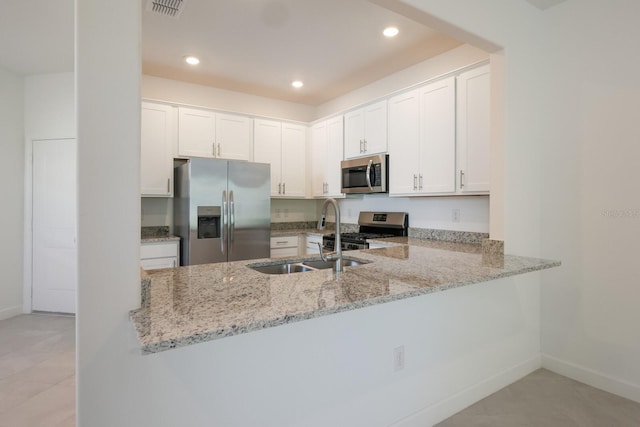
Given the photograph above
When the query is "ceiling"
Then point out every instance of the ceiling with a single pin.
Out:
(253, 46)
(260, 47)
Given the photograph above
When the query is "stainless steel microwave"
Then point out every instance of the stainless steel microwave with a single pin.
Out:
(366, 174)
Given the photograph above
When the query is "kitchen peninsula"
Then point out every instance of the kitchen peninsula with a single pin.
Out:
(189, 305)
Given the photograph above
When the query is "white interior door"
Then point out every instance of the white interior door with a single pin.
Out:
(54, 226)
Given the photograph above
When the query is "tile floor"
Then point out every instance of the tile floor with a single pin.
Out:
(37, 371)
(37, 387)
(545, 399)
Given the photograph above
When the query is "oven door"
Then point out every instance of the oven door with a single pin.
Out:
(365, 175)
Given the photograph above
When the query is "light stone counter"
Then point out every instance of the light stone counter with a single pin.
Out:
(188, 305)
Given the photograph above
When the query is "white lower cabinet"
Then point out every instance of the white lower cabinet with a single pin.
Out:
(155, 255)
(284, 246)
(311, 244)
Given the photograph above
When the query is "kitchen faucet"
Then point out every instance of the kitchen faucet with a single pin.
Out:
(337, 254)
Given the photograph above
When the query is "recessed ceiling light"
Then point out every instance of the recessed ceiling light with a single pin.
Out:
(191, 60)
(390, 32)
(297, 84)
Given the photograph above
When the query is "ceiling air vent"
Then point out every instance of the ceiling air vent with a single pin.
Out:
(171, 8)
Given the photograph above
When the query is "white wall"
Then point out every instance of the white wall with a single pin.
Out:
(161, 89)
(11, 175)
(425, 212)
(108, 106)
(50, 106)
(591, 198)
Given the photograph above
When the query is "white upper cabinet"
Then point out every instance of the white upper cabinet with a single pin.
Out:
(365, 130)
(196, 132)
(422, 140)
(157, 146)
(327, 148)
(318, 159)
(204, 133)
(282, 145)
(404, 143)
(234, 136)
(293, 173)
(473, 106)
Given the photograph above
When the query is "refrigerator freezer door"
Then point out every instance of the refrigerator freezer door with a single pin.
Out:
(199, 211)
(249, 211)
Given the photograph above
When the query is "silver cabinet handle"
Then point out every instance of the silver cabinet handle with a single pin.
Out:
(232, 220)
(361, 147)
(223, 225)
(461, 179)
(168, 185)
(369, 174)
(365, 145)
(420, 186)
(284, 188)
(218, 149)
(214, 149)
(415, 182)
(279, 188)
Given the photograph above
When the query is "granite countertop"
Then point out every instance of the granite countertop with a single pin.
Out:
(157, 234)
(295, 231)
(167, 238)
(188, 305)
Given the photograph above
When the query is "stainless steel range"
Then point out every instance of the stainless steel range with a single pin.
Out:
(372, 225)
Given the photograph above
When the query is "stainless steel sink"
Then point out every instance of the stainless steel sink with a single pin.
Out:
(285, 268)
(289, 267)
(321, 265)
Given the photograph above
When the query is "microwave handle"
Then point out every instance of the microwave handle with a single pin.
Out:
(368, 173)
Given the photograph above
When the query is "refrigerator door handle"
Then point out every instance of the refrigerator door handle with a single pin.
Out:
(223, 225)
(232, 219)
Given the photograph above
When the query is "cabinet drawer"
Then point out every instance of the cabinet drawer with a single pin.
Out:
(159, 250)
(157, 263)
(284, 242)
(284, 252)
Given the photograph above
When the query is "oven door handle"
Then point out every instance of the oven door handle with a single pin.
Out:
(368, 173)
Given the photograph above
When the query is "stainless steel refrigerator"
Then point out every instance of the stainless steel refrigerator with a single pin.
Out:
(222, 210)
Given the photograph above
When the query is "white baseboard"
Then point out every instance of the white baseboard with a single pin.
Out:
(453, 404)
(8, 312)
(593, 378)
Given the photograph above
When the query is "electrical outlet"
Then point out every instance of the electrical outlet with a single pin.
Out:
(398, 358)
(455, 215)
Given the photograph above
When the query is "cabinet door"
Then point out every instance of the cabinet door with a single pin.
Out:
(233, 136)
(404, 143)
(354, 134)
(335, 149)
(473, 130)
(267, 136)
(437, 142)
(311, 244)
(196, 132)
(157, 140)
(294, 170)
(375, 128)
(318, 159)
